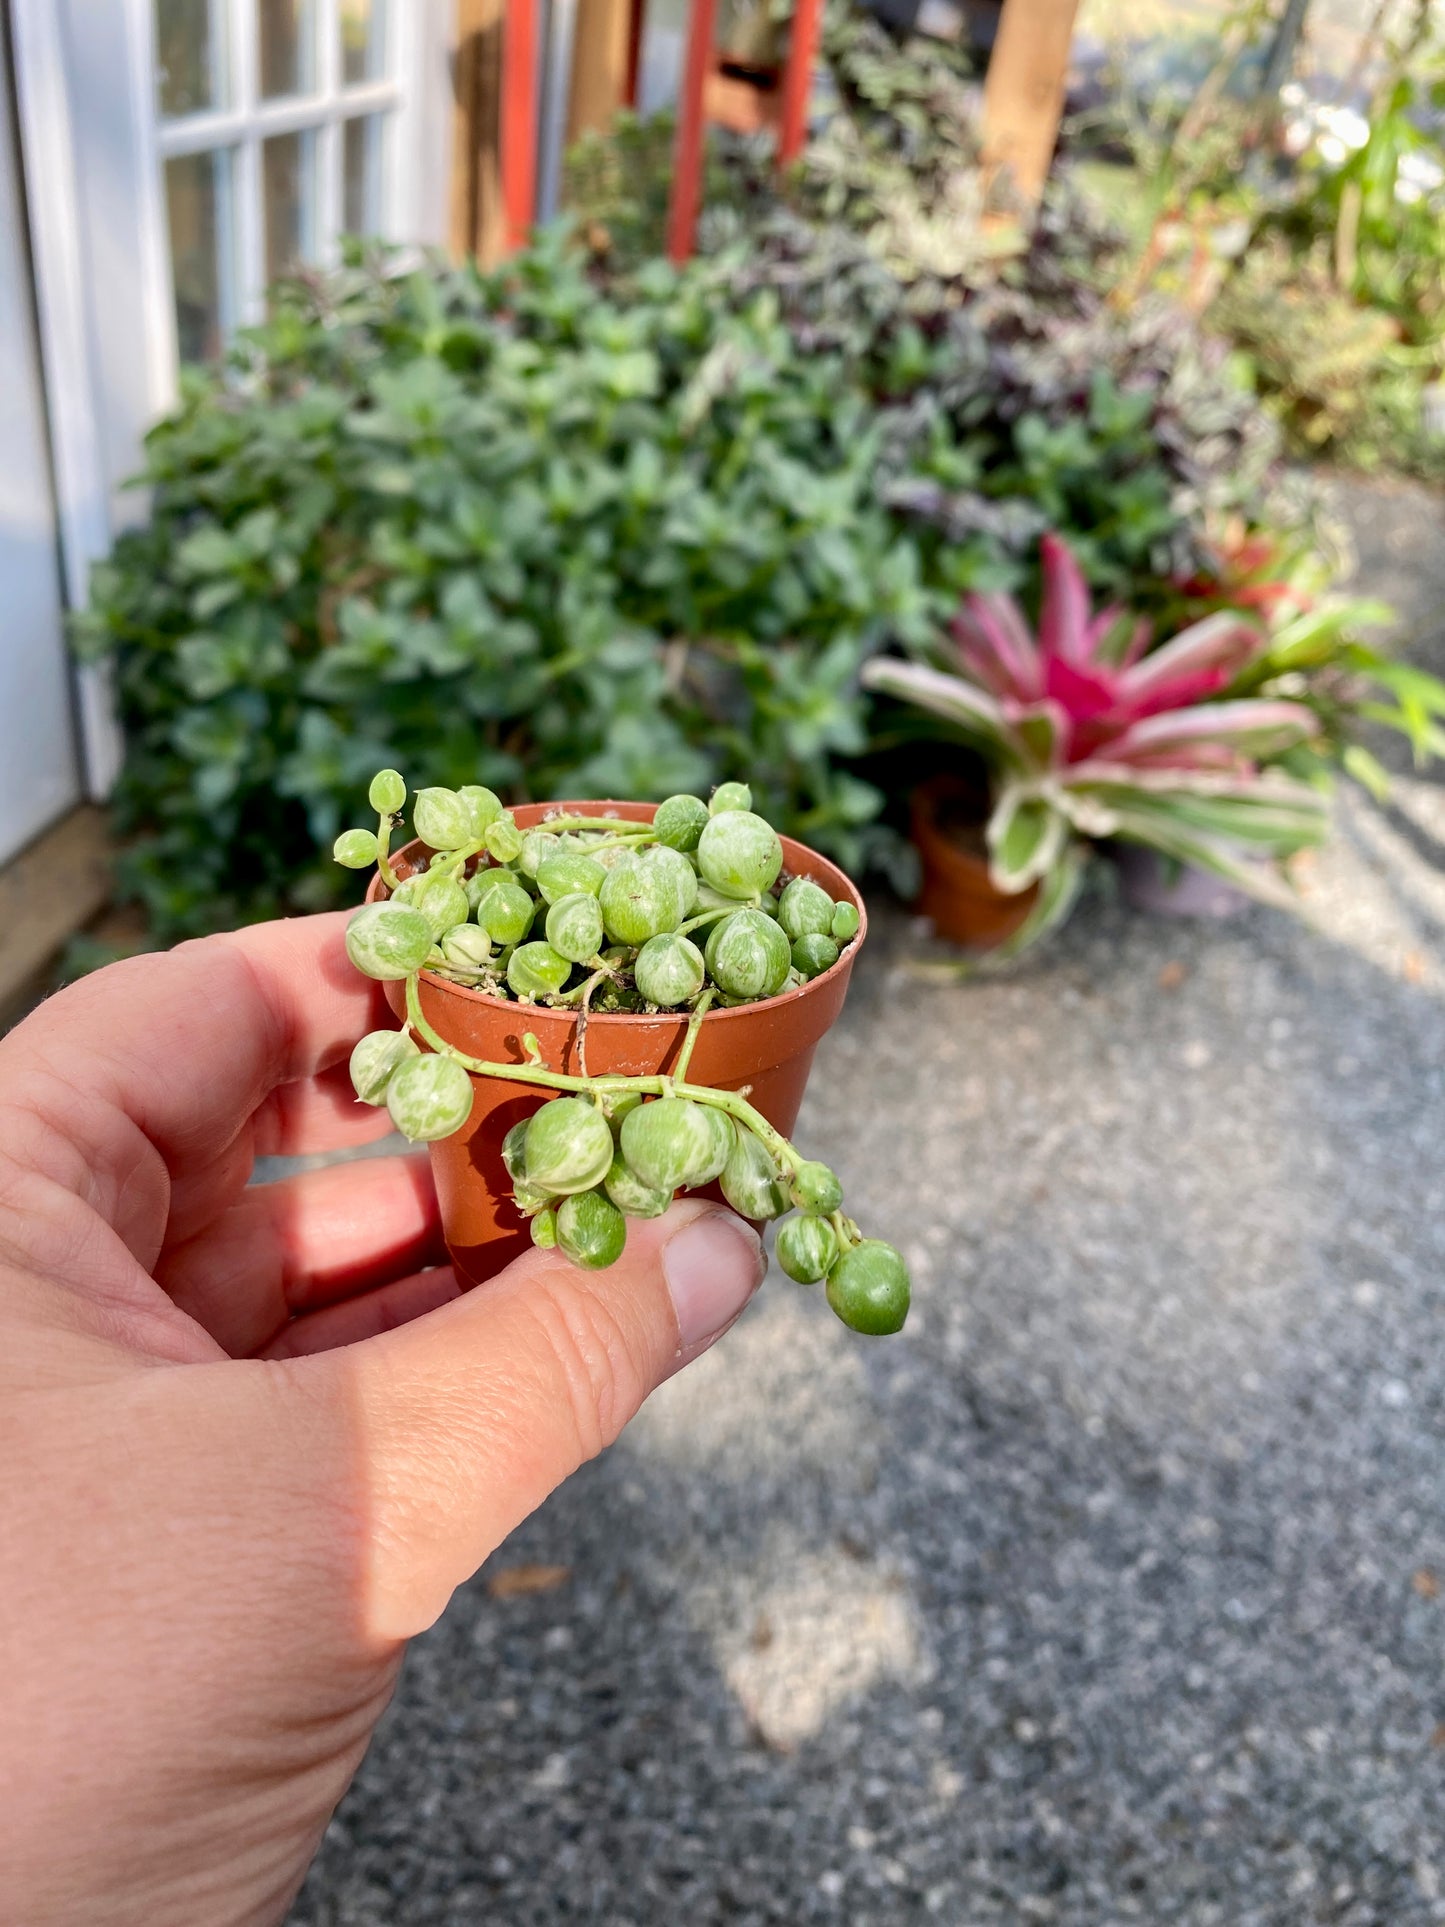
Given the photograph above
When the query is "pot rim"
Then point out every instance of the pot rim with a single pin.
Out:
(376, 893)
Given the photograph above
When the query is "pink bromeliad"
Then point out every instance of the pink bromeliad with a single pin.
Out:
(1091, 733)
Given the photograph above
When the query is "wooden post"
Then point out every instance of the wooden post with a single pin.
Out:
(477, 226)
(601, 57)
(688, 150)
(519, 119)
(798, 79)
(1023, 95)
(636, 22)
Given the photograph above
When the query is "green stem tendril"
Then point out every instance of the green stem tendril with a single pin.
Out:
(535, 1072)
(694, 1026)
(617, 830)
(709, 916)
(583, 1012)
(457, 860)
(583, 992)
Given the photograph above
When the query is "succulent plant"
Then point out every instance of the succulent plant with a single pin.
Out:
(600, 907)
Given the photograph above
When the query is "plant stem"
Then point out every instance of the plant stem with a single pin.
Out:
(384, 827)
(694, 1025)
(618, 830)
(583, 994)
(711, 916)
(731, 1102)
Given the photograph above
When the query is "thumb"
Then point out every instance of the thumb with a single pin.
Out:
(469, 1416)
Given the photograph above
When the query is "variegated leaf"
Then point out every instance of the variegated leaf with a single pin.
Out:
(1222, 644)
(1026, 836)
(1250, 729)
(950, 697)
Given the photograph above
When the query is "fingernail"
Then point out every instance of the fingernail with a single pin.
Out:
(713, 1266)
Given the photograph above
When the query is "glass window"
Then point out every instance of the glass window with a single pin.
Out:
(361, 185)
(188, 57)
(198, 205)
(287, 30)
(363, 41)
(288, 188)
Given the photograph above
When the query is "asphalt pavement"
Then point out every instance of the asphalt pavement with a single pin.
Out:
(1114, 1589)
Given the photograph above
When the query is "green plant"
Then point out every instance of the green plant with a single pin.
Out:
(1316, 248)
(588, 525)
(618, 905)
(1322, 358)
(531, 532)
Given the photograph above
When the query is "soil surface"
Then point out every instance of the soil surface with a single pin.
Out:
(1114, 1590)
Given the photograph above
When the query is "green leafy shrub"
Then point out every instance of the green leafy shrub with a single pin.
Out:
(499, 528)
(585, 526)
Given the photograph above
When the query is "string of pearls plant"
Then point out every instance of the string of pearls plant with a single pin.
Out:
(593, 913)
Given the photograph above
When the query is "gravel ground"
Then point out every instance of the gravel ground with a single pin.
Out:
(1114, 1590)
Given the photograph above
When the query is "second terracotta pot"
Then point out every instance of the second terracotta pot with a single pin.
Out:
(767, 1046)
(959, 896)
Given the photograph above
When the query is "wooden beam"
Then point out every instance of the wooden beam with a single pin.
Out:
(636, 24)
(691, 132)
(1023, 95)
(477, 225)
(601, 63)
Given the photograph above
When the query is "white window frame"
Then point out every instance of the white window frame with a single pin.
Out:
(241, 127)
(94, 155)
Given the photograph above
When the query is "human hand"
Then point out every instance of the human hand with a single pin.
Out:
(250, 1445)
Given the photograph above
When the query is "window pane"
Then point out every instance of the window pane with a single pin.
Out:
(288, 47)
(188, 50)
(288, 187)
(363, 41)
(361, 188)
(198, 204)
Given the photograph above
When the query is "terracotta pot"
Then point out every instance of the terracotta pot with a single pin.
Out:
(958, 895)
(767, 1046)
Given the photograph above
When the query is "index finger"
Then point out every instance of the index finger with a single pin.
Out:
(177, 1052)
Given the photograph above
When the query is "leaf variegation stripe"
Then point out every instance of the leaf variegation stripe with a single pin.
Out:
(1274, 822)
(947, 696)
(1214, 853)
(1251, 728)
(1224, 642)
(1026, 836)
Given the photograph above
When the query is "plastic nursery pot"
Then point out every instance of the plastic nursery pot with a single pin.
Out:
(958, 895)
(1152, 883)
(767, 1046)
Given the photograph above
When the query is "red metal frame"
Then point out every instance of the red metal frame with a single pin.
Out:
(519, 119)
(688, 150)
(798, 79)
(687, 153)
(519, 111)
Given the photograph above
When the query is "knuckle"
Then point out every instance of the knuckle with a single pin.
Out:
(597, 1372)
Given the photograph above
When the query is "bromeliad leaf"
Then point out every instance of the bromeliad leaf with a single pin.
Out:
(1026, 837)
(951, 697)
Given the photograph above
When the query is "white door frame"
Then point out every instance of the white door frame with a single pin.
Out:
(101, 251)
(82, 487)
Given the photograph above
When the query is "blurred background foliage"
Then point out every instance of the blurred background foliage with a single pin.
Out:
(586, 525)
(1303, 224)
